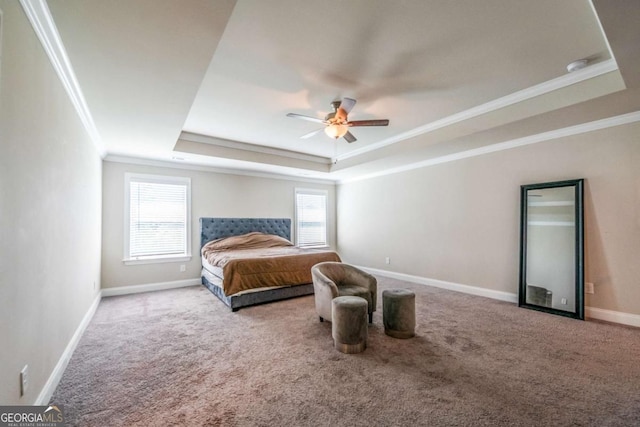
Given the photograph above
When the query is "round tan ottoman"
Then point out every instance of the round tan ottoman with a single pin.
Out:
(399, 313)
(349, 324)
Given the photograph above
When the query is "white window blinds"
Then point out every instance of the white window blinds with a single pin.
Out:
(311, 218)
(158, 217)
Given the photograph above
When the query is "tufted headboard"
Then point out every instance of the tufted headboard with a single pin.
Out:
(216, 228)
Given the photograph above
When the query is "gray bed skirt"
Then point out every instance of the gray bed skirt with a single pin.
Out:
(235, 302)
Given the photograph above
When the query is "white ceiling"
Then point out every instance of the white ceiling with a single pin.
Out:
(210, 82)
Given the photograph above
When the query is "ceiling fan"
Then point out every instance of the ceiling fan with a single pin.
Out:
(337, 123)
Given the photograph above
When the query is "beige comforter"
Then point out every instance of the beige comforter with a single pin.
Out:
(257, 260)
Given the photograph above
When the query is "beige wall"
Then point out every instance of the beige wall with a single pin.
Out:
(459, 221)
(212, 195)
(50, 209)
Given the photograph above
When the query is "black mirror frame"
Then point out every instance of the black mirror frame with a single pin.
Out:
(579, 247)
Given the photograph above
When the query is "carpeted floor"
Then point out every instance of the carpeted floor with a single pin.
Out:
(180, 357)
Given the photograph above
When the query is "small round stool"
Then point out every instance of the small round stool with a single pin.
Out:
(349, 324)
(399, 313)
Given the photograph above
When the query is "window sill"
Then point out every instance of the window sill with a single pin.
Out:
(315, 247)
(157, 260)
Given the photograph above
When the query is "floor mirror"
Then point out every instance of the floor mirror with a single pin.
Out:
(552, 248)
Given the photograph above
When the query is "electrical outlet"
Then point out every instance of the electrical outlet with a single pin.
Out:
(183, 268)
(589, 288)
(563, 301)
(387, 260)
(24, 380)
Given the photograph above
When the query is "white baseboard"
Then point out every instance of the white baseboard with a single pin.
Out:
(613, 316)
(590, 312)
(473, 290)
(149, 287)
(56, 375)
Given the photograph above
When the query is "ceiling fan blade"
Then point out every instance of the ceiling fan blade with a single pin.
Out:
(369, 123)
(347, 104)
(300, 116)
(349, 137)
(310, 134)
(343, 110)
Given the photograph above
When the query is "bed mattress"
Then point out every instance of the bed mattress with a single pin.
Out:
(239, 271)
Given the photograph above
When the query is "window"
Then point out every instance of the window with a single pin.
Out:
(157, 218)
(311, 217)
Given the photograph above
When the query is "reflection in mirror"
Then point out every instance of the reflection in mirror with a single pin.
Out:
(551, 248)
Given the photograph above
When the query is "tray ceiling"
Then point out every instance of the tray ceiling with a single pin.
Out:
(209, 83)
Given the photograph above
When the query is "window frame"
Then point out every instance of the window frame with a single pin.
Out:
(311, 191)
(157, 179)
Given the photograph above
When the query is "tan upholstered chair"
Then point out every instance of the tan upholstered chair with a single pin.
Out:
(334, 279)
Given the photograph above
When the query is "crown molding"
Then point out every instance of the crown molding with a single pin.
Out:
(205, 139)
(506, 145)
(602, 32)
(203, 168)
(42, 22)
(513, 98)
(519, 142)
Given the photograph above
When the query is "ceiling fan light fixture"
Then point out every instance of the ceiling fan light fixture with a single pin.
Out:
(336, 130)
(337, 123)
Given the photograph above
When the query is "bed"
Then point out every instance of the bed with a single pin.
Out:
(245, 275)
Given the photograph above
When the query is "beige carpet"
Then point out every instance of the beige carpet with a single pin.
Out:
(180, 357)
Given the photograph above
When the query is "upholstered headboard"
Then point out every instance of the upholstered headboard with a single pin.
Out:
(217, 228)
